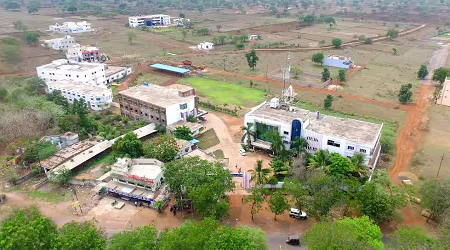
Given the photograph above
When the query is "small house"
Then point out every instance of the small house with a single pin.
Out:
(205, 46)
(338, 62)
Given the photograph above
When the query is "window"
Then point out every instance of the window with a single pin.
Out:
(183, 106)
(98, 98)
(285, 142)
(315, 149)
(182, 115)
(286, 132)
(92, 99)
(333, 143)
(315, 139)
(362, 150)
(308, 138)
(351, 148)
(42, 72)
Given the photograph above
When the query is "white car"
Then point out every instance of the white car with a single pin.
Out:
(296, 213)
(242, 152)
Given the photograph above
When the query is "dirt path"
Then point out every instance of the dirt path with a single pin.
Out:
(374, 40)
(416, 120)
(322, 91)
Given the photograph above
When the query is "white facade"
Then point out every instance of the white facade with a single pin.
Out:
(114, 73)
(156, 20)
(180, 111)
(337, 135)
(65, 43)
(96, 98)
(87, 73)
(205, 46)
(71, 27)
(338, 61)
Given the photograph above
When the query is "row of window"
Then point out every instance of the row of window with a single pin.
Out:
(183, 106)
(338, 145)
(309, 138)
(311, 148)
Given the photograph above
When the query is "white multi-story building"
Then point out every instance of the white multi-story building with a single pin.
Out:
(71, 27)
(340, 135)
(149, 20)
(97, 98)
(158, 104)
(88, 73)
(114, 73)
(64, 43)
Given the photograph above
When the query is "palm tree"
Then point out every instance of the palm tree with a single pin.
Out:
(358, 160)
(248, 133)
(261, 175)
(320, 160)
(299, 145)
(276, 140)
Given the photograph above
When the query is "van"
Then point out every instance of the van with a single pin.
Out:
(242, 151)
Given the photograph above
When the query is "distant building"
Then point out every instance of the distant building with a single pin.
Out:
(97, 98)
(158, 104)
(184, 147)
(149, 20)
(253, 37)
(444, 98)
(71, 27)
(181, 21)
(138, 173)
(64, 43)
(338, 61)
(205, 46)
(114, 73)
(340, 135)
(61, 69)
(83, 54)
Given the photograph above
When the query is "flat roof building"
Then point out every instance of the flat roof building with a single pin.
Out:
(63, 43)
(338, 61)
(341, 135)
(157, 104)
(167, 68)
(444, 97)
(71, 27)
(149, 20)
(97, 98)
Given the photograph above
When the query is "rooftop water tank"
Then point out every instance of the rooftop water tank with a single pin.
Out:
(275, 103)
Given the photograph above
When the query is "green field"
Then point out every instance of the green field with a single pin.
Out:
(225, 92)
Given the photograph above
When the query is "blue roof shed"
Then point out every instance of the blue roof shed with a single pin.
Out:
(169, 68)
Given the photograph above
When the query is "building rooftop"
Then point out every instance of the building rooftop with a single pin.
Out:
(181, 87)
(111, 70)
(157, 95)
(183, 144)
(147, 171)
(63, 64)
(67, 153)
(79, 88)
(170, 68)
(350, 129)
(149, 16)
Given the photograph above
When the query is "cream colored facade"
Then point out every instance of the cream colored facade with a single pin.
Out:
(444, 98)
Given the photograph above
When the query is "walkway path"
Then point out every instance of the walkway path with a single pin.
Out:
(410, 136)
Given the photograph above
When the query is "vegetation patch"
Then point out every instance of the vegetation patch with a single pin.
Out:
(207, 139)
(48, 196)
(218, 154)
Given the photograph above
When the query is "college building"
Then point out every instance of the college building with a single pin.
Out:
(71, 27)
(157, 104)
(149, 20)
(337, 135)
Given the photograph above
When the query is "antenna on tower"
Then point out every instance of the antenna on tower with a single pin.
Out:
(287, 93)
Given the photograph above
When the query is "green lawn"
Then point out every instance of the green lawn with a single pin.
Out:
(48, 196)
(207, 139)
(225, 92)
(219, 154)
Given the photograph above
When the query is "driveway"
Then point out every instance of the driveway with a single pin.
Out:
(230, 150)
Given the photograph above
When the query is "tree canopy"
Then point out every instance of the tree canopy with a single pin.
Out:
(164, 148)
(405, 93)
(318, 57)
(136, 239)
(392, 33)
(183, 133)
(440, 74)
(337, 42)
(252, 59)
(423, 72)
(80, 236)
(128, 145)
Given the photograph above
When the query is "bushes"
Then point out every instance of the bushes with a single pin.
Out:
(233, 112)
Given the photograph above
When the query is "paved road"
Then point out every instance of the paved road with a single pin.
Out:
(277, 239)
(437, 60)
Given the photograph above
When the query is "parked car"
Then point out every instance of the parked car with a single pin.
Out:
(296, 213)
(242, 152)
(293, 240)
(202, 118)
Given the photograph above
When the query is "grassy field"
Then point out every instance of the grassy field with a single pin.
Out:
(225, 92)
(218, 154)
(207, 139)
(151, 78)
(48, 196)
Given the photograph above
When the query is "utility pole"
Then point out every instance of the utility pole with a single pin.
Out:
(440, 165)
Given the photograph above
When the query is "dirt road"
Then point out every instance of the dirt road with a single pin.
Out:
(416, 120)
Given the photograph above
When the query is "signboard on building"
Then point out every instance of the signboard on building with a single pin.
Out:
(139, 178)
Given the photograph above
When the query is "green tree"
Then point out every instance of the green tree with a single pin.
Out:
(33, 7)
(81, 236)
(309, 19)
(325, 192)
(411, 238)
(137, 239)
(299, 145)
(328, 102)
(320, 160)
(27, 229)
(345, 234)
(248, 134)
(440, 74)
(318, 57)
(10, 5)
(163, 148)
(252, 59)
(256, 199)
(423, 72)
(222, 39)
(128, 145)
(202, 181)
(11, 54)
(182, 15)
(298, 192)
(31, 37)
(405, 93)
(61, 176)
(394, 50)
(296, 71)
(3, 94)
(203, 31)
(326, 74)
(35, 85)
(19, 25)
(72, 9)
(305, 4)
(436, 197)
(10, 41)
(392, 33)
(240, 46)
(337, 42)
(342, 75)
(183, 133)
(261, 174)
(276, 142)
(131, 36)
(278, 204)
(329, 20)
(57, 97)
(218, 27)
(340, 166)
(368, 40)
(280, 166)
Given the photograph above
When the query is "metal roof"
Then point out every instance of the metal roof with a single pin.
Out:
(170, 68)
